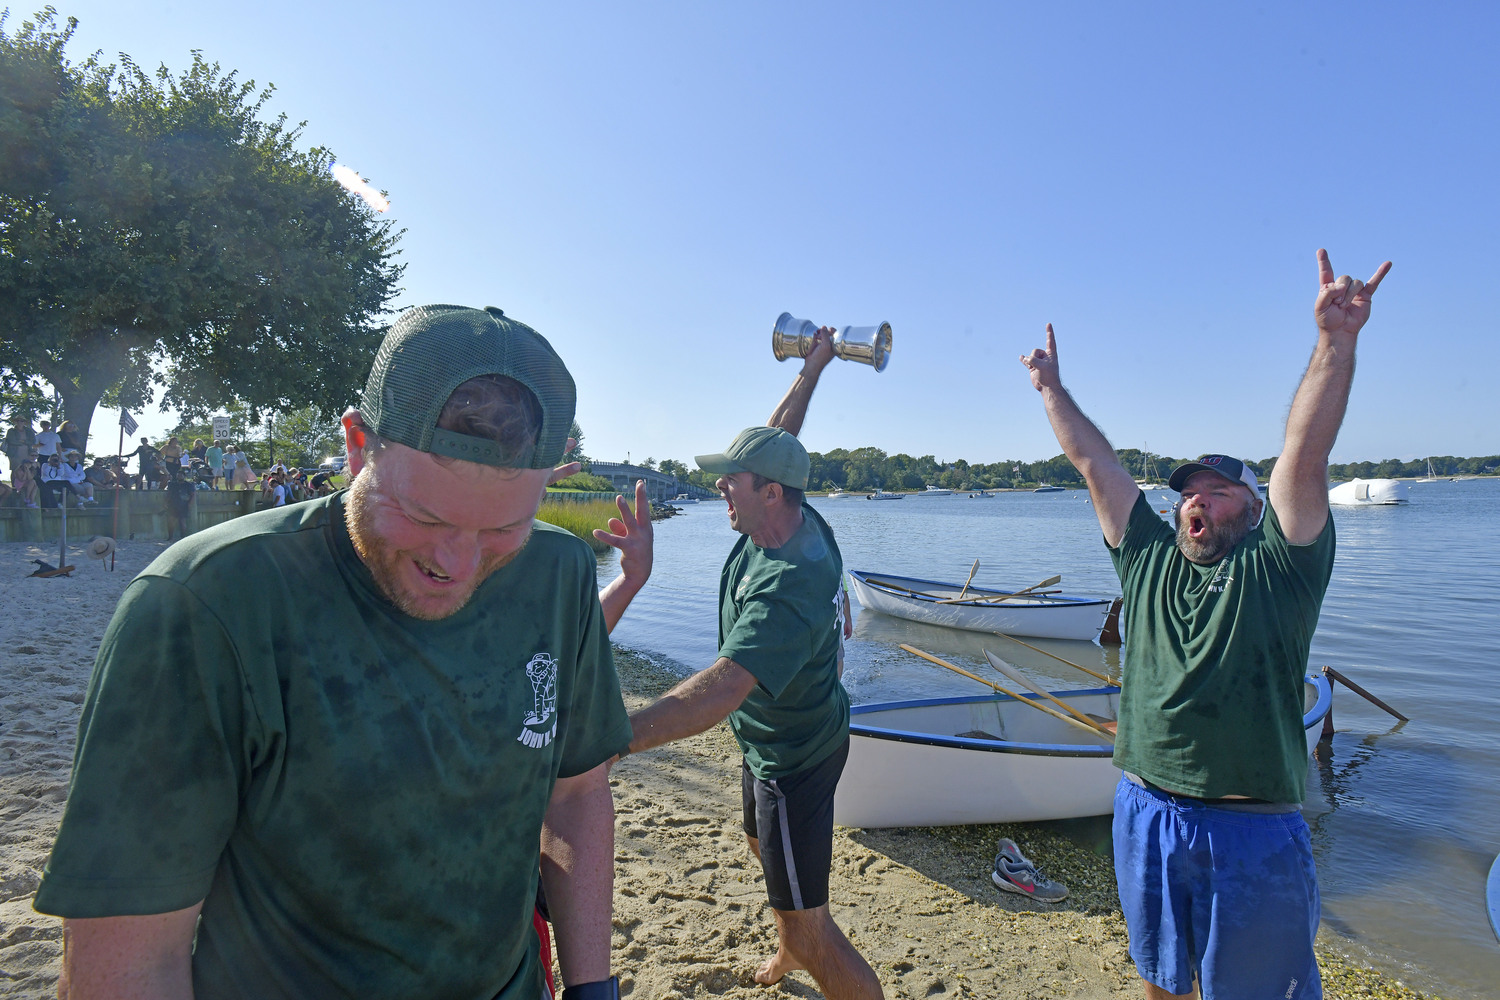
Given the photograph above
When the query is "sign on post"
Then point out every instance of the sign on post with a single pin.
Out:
(127, 422)
(221, 428)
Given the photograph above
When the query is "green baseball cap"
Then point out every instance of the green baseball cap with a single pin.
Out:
(766, 451)
(432, 350)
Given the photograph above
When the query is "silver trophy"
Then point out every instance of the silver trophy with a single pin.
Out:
(869, 345)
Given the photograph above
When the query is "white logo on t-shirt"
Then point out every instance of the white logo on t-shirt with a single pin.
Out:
(540, 726)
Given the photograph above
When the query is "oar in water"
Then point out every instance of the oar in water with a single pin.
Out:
(1020, 678)
(972, 570)
(1113, 681)
(1367, 696)
(1006, 691)
(1005, 597)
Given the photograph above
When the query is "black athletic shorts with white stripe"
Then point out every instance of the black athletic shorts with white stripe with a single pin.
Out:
(792, 817)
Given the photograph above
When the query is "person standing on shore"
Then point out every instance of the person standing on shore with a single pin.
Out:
(1212, 855)
(781, 619)
(213, 457)
(351, 784)
(20, 442)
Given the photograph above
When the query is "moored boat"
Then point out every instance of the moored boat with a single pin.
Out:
(880, 494)
(1492, 896)
(839, 494)
(990, 759)
(1369, 493)
(935, 491)
(1045, 488)
(682, 500)
(1048, 616)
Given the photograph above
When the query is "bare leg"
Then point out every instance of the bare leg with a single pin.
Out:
(1154, 992)
(810, 940)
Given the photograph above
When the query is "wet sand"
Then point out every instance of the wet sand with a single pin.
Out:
(690, 913)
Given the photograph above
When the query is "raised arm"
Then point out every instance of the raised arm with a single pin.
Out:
(703, 700)
(633, 535)
(129, 958)
(792, 409)
(578, 873)
(1112, 489)
(1299, 482)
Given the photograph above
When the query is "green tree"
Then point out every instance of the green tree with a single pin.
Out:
(672, 467)
(156, 232)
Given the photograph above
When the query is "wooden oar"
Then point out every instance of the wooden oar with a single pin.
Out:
(1021, 679)
(1114, 681)
(972, 570)
(1006, 691)
(1367, 696)
(1005, 597)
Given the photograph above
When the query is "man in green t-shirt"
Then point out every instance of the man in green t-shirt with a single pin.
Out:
(1211, 852)
(329, 749)
(782, 614)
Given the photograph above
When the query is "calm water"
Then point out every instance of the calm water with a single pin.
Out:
(1405, 818)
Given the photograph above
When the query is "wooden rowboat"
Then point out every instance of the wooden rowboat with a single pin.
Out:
(990, 759)
(1046, 616)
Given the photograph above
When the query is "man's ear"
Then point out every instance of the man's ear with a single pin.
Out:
(354, 440)
(774, 492)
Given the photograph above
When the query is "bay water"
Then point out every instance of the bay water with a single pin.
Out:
(1405, 817)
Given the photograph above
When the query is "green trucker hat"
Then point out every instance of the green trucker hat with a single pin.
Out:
(432, 350)
(766, 451)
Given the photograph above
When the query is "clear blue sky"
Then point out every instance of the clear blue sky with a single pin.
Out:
(650, 185)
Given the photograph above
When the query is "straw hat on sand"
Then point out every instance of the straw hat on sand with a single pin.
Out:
(101, 547)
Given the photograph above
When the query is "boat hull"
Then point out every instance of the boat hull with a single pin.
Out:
(907, 766)
(1053, 618)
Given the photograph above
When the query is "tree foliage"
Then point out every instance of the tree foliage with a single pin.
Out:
(156, 232)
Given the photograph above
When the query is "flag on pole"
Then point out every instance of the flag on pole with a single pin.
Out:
(127, 422)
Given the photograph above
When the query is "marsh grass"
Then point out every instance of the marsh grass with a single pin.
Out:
(579, 518)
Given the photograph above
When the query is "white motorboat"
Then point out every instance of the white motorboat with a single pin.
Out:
(990, 759)
(1045, 488)
(934, 491)
(682, 500)
(1369, 493)
(1047, 616)
(882, 495)
(840, 494)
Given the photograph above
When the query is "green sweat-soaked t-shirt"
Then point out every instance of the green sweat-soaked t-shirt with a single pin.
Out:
(780, 616)
(359, 794)
(1212, 699)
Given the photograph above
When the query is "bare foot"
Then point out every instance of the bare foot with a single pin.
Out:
(778, 965)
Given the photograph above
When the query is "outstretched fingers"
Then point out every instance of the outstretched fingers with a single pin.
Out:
(1375, 280)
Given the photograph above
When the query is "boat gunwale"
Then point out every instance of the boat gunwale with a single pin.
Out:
(1059, 601)
(1312, 717)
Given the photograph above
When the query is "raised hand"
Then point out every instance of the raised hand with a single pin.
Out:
(1042, 364)
(633, 535)
(821, 351)
(1343, 303)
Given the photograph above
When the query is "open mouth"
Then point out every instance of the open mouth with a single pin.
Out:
(432, 574)
(1196, 527)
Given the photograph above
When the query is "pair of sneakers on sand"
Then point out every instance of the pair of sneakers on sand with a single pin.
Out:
(1014, 872)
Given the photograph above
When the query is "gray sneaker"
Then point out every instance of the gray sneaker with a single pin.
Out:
(1013, 872)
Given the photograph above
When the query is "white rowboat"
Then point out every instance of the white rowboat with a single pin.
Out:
(908, 765)
(1047, 617)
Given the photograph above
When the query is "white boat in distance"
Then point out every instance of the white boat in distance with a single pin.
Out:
(880, 494)
(990, 759)
(682, 500)
(839, 494)
(1369, 493)
(935, 491)
(1045, 488)
(1043, 616)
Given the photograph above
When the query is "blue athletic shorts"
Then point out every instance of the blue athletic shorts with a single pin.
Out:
(1226, 896)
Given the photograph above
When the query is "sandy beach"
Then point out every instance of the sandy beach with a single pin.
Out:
(690, 913)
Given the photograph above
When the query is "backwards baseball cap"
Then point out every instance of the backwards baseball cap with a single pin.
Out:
(432, 350)
(766, 451)
(1230, 468)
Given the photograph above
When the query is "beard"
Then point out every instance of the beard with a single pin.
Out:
(387, 563)
(1217, 538)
